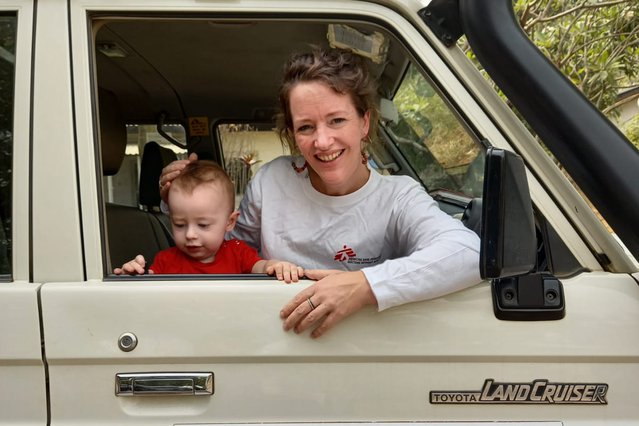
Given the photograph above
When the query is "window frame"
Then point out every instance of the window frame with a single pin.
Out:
(434, 66)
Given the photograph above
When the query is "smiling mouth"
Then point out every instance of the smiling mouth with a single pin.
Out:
(329, 157)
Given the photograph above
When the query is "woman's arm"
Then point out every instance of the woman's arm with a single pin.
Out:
(439, 255)
(436, 255)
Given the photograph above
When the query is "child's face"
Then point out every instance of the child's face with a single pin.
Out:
(200, 220)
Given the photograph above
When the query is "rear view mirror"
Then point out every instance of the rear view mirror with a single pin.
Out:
(508, 237)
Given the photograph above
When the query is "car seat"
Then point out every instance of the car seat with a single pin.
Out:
(130, 231)
(154, 159)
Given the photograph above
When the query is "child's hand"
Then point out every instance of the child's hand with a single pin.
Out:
(133, 267)
(285, 271)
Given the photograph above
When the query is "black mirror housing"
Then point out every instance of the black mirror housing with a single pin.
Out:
(508, 237)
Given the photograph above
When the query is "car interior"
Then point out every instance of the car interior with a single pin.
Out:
(168, 85)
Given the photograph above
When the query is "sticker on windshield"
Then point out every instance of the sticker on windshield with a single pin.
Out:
(538, 391)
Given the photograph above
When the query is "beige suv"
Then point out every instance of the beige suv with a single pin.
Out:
(97, 95)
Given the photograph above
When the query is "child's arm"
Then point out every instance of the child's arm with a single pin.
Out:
(284, 271)
(132, 267)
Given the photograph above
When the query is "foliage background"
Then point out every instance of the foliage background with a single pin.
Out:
(595, 43)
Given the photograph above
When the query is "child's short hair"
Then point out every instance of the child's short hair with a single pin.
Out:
(200, 172)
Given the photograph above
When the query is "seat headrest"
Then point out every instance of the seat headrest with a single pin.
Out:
(154, 158)
(112, 132)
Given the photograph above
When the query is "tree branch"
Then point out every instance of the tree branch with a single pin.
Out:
(583, 5)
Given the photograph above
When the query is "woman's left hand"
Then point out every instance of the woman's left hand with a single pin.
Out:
(335, 296)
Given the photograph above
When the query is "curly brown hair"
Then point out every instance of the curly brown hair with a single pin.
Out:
(342, 71)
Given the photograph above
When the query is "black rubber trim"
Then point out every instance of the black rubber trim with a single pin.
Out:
(595, 153)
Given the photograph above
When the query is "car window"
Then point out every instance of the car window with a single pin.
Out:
(427, 140)
(7, 72)
(123, 188)
(432, 139)
(245, 148)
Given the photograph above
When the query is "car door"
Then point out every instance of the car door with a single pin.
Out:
(192, 350)
(22, 371)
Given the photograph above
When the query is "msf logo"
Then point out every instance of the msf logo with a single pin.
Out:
(344, 254)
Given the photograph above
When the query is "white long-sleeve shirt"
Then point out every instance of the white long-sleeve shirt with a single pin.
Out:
(390, 228)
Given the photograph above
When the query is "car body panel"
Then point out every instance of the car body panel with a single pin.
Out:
(56, 238)
(373, 367)
(23, 397)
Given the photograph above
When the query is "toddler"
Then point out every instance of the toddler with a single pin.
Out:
(201, 204)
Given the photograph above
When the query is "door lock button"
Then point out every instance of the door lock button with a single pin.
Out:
(127, 342)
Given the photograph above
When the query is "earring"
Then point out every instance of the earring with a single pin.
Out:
(365, 141)
(299, 170)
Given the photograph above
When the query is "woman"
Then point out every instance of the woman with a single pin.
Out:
(367, 239)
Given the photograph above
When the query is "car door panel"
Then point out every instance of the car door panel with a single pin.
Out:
(372, 366)
(22, 374)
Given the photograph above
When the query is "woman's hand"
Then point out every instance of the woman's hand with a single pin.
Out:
(172, 171)
(132, 267)
(335, 296)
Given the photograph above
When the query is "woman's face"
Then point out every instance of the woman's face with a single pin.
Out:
(329, 132)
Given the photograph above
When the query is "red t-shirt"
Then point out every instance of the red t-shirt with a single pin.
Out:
(233, 257)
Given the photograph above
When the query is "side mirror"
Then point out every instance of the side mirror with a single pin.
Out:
(508, 254)
(508, 237)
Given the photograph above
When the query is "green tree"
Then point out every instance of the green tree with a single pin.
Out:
(631, 129)
(595, 43)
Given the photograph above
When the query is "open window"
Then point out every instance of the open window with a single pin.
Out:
(7, 71)
(244, 149)
(216, 87)
(432, 139)
(143, 143)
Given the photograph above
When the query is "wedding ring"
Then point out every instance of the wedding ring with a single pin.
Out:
(310, 303)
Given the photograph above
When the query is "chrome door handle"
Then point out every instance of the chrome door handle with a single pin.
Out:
(158, 384)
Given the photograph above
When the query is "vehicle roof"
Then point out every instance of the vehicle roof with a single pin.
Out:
(222, 68)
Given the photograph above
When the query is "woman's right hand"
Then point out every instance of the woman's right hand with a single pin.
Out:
(132, 267)
(172, 171)
(335, 296)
